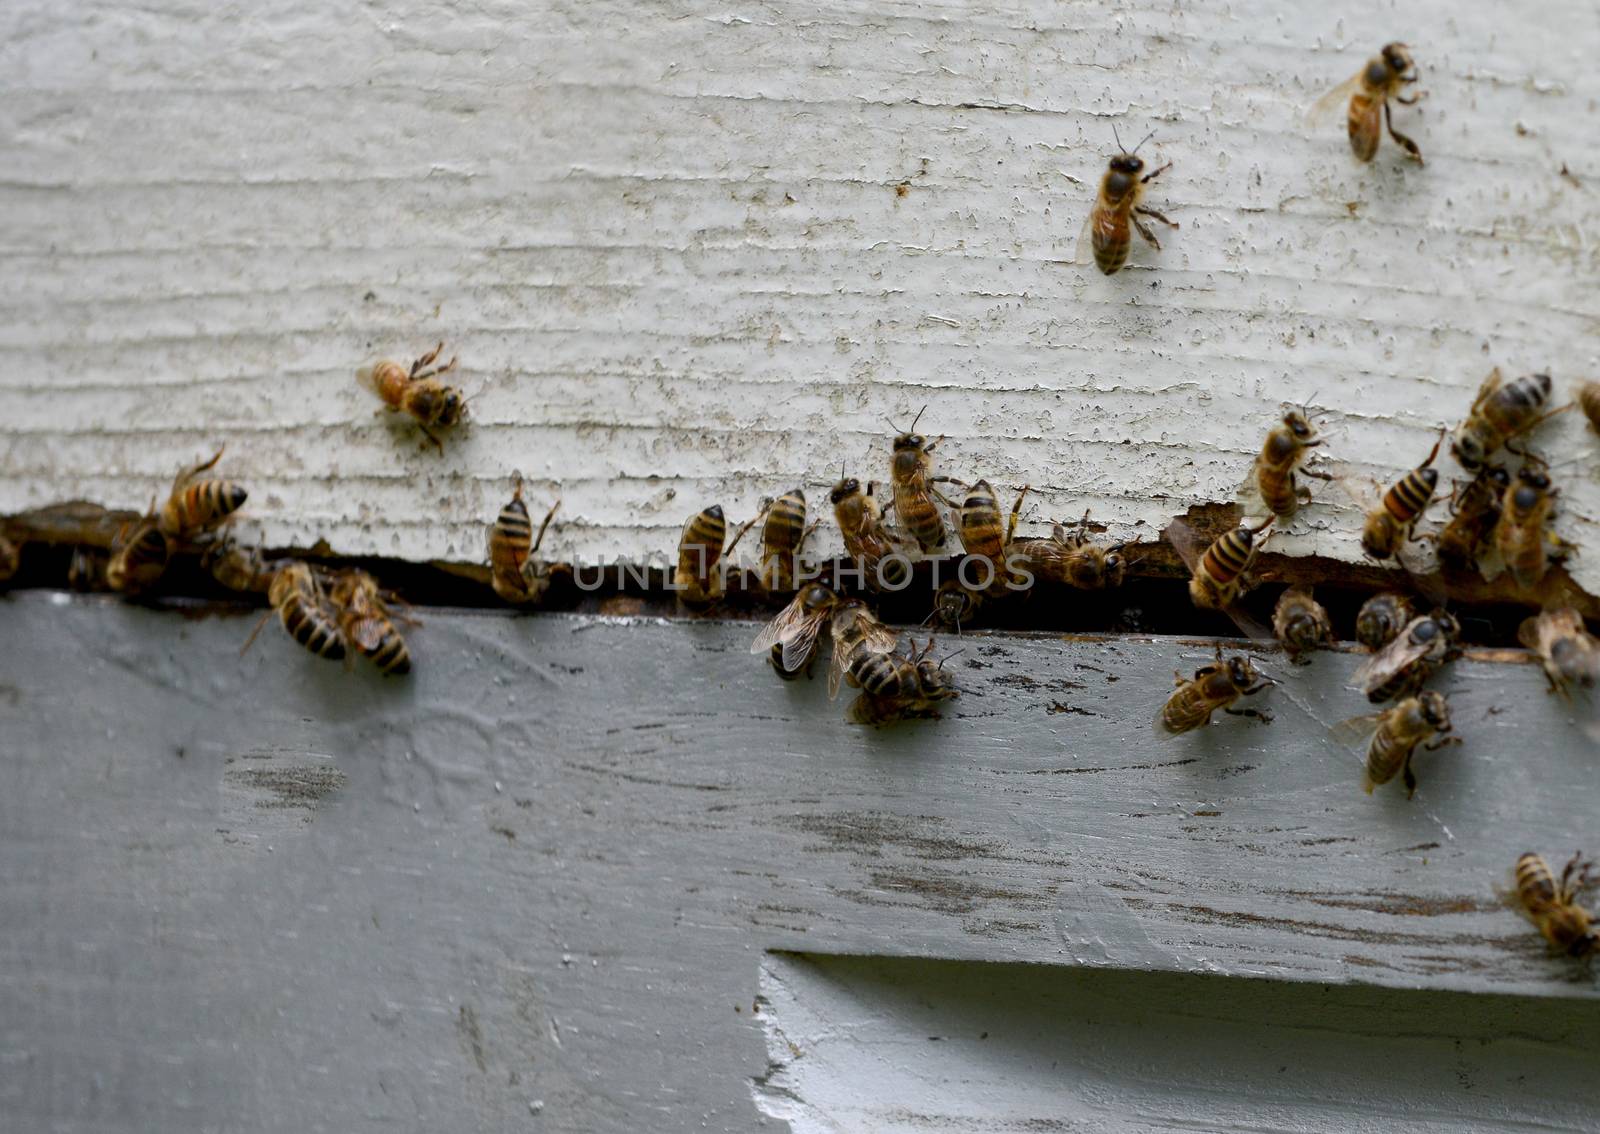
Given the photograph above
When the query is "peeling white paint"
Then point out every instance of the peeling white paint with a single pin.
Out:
(675, 256)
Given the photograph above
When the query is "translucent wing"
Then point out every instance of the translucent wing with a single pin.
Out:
(854, 628)
(777, 630)
(1398, 654)
(1355, 732)
(1249, 496)
(1335, 99)
(798, 645)
(1083, 251)
(1191, 549)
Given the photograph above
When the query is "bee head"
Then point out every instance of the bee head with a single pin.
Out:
(909, 441)
(1533, 478)
(849, 486)
(453, 405)
(1468, 448)
(1435, 709)
(1240, 671)
(1497, 476)
(1397, 57)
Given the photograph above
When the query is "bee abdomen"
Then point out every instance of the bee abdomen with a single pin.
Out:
(1385, 756)
(1363, 126)
(1411, 494)
(879, 674)
(1229, 555)
(390, 655)
(309, 625)
(1536, 885)
(701, 547)
(1111, 239)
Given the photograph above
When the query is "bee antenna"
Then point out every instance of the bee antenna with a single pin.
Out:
(948, 656)
(918, 418)
(1142, 141)
(1118, 137)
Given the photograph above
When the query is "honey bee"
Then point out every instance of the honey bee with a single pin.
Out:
(1301, 624)
(1569, 653)
(1523, 537)
(10, 558)
(1419, 721)
(87, 569)
(1589, 402)
(1501, 411)
(1420, 651)
(790, 639)
(1381, 619)
(1070, 558)
(418, 392)
(1388, 526)
(1552, 905)
(897, 687)
(365, 621)
(1118, 206)
(1220, 575)
(954, 603)
(782, 536)
(1213, 687)
(698, 580)
(236, 568)
(866, 540)
(1474, 512)
(197, 505)
(1370, 90)
(911, 476)
(857, 635)
(296, 594)
(139, 555)
(981, 533)
(1272, 480)
(517, 577)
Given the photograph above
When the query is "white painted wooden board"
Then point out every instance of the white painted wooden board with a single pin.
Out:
(268, 894)
(697, 252)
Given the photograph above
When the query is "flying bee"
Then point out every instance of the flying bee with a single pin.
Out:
(418, 392)
(1221, 574)
(139, 555)
(1388, 526)
(197, 505)
(1523, 536)
(511, 552)
(237, 568)
(915, 497)
(1501, 411)
(366, 623)
(1405, 664)
(954, 603)
(982, 535)
(897, 687)
(866, 540)
(1419, 721)
(790, 639)
(857, 635)
(1569, 653)
(297, 596)
(782, 536)
(1589, 402)
(1301, 624)
(1213, 687)
(1070, 557)
(1117, 206)
(1381, 619)
(1474, 513)
(1552, 905)
(1370, 91)
(1272, 479)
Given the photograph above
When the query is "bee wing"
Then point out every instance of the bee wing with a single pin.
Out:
(779, 628)
(1355, 732)
(1380, 666)
(367, 376)
(1249, 496)
(1335, 99)
(1186, 542)
(798, 645)
(1083, 251)
(838, 665)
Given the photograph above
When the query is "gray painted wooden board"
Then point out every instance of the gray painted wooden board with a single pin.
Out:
(267, 893)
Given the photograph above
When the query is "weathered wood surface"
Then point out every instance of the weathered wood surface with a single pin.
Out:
(695, 253)
(269, 893)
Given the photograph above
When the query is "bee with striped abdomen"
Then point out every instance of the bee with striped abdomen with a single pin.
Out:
(1388, 526)
(1420, 721)
(698, 577)
(1272, 480)
(366, 623)
(1552, 904)
(139, 556)
(896, 687)
(1569, 654)
(866, 540)
(1502, 410)
(197, 505)
(790, 639)
(1421, 650)
(1370, 90)
(1382, 617)
(238, 569)
(1589, 402)
(782, 536)
(418, 392)
(857, 635)
(916, 500)
(1474, 513)
(517, 577)
(1070, 557)
(1213, 687)
(954, 603)
(982, 536)
(1220, 574)
(1118, 207)
(1301, 623)
(297, 596)
(1523, 536)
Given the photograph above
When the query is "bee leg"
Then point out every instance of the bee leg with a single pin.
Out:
(1261, 715)
(1318, 475)
(1149, 212)
(1016, 511)
(1409, 779)
(1155, 173)
(437, 444)
(1405, 143)
(1144, 231)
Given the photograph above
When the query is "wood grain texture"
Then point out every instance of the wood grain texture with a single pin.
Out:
(270, 887)
(694, 253)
